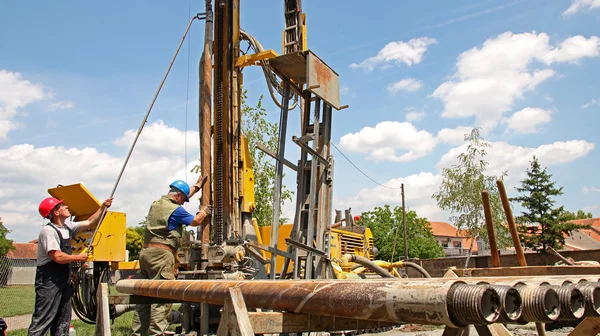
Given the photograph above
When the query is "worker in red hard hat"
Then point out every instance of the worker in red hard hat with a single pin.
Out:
(53, 291)
(164, 228)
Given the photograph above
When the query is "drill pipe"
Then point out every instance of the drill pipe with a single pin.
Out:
(591, 297)
(571, 302)
(423, 302)
(512, 304)
(540, 304)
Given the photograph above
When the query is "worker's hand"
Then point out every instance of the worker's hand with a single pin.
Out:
(200, 181)
(81, 257)
(107, 202)
(207, 209)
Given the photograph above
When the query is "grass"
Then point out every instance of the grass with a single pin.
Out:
(121, 326)
(16, 300)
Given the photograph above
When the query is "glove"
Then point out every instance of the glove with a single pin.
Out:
(200, 181)
(207, 209)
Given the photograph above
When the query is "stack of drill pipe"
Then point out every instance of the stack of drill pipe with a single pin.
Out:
(448, 302)
(591, 296)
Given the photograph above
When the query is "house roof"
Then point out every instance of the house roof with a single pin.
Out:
(593, 231)
(23, 251)
(443, 229)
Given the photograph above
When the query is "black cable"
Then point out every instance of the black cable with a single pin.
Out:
(352, 163)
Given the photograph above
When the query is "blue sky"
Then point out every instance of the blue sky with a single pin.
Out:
(77, 77)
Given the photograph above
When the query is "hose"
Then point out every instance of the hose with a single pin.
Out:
(367, 263)
(272, 83)
(416, 267)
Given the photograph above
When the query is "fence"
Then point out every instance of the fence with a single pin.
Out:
(17, 293)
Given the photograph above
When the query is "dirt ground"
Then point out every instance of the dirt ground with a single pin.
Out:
(419, 330)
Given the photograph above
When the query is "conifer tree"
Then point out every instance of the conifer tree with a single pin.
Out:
(541, 224)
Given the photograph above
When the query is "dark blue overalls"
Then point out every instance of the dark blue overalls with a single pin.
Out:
(53, 293)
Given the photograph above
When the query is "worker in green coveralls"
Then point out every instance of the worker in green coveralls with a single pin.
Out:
(164, 227)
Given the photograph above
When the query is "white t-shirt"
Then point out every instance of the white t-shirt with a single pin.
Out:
(49, 240)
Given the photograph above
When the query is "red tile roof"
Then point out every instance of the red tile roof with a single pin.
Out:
(443, 229)
(23, 251)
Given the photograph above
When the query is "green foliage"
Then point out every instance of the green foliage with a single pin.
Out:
(460, 192)
(566, 216)
(5, 243)
(537, 200)
(384, 222)
(134, 240)
(258, 130)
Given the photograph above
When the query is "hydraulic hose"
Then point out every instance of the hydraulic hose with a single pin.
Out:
(417, 267)
(346, 258)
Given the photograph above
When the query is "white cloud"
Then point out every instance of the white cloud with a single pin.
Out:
(528, 119)
(60, 105)
(26, 172)
(408, 84)
(489, 78)
(590, 189)
(383, 142)
(453, 136)
(420, 187)
(418, 190)
(580, 5)
(398, 52)
(593, 102)
(515, 159)
(15, 94)
(414, 116)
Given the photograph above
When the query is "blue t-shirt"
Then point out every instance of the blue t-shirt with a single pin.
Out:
(178, 217)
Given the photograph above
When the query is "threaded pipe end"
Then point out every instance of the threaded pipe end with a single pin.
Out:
(473, 304)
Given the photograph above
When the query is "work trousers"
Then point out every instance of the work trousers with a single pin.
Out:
(52, 301)
(155, 264)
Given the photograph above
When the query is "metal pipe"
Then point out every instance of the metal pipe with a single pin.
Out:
(465, 307)
(511, 303)
(489, 223)
(540, 304)
(591, 295)
(572, 305)
(511, 224)
(422, 302)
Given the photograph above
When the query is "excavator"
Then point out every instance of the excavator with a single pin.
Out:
(234, 246)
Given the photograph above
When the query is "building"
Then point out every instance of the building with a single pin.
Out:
(452, 240)
(19, 265)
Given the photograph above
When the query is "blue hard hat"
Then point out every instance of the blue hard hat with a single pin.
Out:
(181, 186)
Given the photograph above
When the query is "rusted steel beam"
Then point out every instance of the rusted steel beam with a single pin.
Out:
(425, 302)
(511, 224)
(489, 223)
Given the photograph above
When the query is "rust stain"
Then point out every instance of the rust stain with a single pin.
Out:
(323, 75)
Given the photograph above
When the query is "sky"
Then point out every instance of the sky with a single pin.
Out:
(76, 79)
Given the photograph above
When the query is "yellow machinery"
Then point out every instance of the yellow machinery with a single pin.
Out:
(109, 243)
(356, 240)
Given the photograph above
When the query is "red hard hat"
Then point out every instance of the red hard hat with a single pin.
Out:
(356, 218)
(47, 205)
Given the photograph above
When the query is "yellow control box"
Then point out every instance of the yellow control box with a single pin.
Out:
(109, 243)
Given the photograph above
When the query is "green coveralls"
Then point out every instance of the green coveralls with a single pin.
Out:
(156, 264)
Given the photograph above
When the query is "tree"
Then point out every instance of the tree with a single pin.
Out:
(541, 224)
(460, 192)
(134, 240)
(384, 222)
(569, 216)
(5, 243)
(258, 130)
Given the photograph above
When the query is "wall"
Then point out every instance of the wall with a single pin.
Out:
(437, 267)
